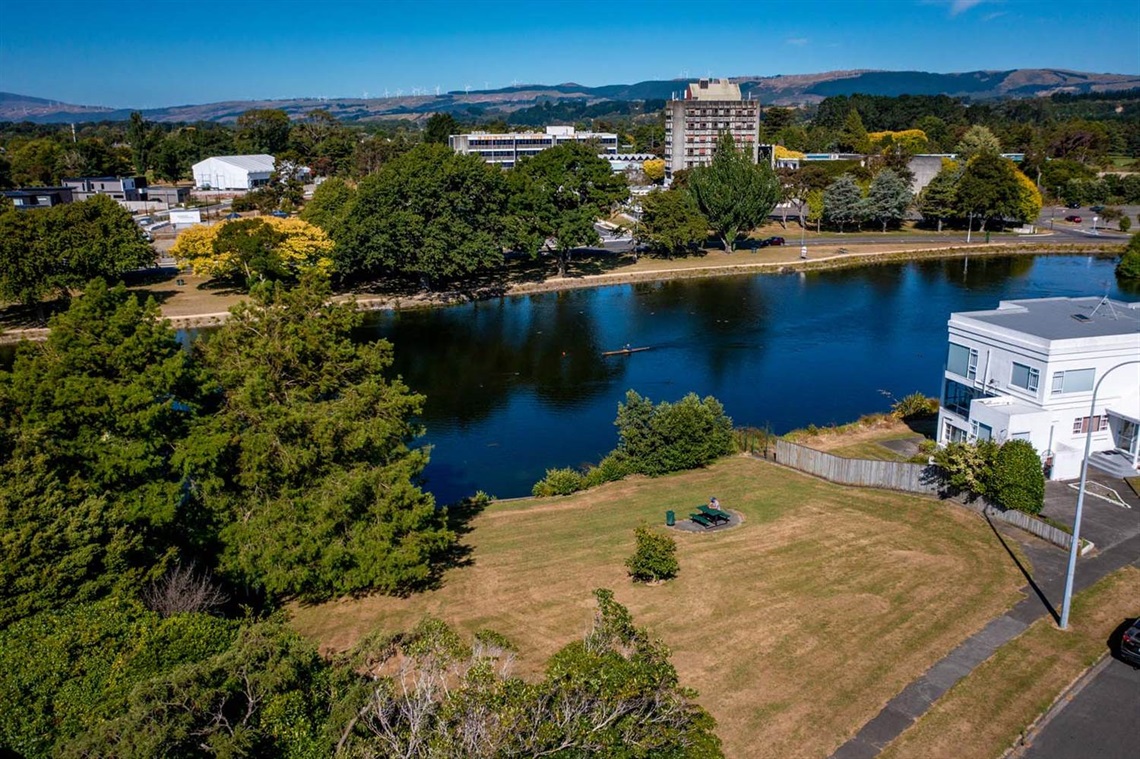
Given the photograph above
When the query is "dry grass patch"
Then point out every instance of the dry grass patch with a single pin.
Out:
(983, 714)
(795, 627)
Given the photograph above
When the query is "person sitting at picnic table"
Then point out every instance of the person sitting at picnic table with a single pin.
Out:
(714, 503)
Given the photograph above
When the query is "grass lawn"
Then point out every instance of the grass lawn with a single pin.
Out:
(863, 439)
(987, 711)
(795, 627)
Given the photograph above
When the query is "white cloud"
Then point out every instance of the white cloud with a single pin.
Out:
(796, 41)
(992, 16)
(961, 6)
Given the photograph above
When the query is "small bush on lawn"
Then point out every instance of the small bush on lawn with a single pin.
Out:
(1018, 481)
(655, 557)
(968, 468)
(558, 482)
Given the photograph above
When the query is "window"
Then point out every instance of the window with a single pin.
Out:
(1025, 377)
(982, 431)
(962, 361)
(1019, 436)
(1081, 424)
(1073, 381)
(952, 434)
(957, 398)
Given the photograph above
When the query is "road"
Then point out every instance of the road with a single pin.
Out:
(1102, 720)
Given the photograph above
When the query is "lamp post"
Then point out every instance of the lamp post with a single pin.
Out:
(1075, 547)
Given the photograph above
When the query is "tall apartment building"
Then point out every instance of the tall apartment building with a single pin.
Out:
(693, 124)
(505, 150)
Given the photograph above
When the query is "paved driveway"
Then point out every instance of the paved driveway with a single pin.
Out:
(1105, 524)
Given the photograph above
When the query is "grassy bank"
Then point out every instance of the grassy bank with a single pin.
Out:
(986, 712)
(795, 627)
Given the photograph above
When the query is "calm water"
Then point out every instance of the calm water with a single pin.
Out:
(519, 385)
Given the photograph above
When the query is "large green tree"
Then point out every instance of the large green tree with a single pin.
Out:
(978, 140)
(557, 195)
(54, 250)
(430, 214)
(439, 127)
(262, 131)
(307, 466)
(65, 674)
(1129, 266)
(990, 189)
(733, 193)
(939, 199)
(671, 221)
(888, 198)
(329, 202)
(88, 423)
(843, 202)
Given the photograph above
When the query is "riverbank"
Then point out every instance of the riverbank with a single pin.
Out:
(196, 304)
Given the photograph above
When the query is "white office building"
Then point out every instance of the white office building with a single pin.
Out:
(233, 172)
(505, 150)
(707, 109)
(1028, 369)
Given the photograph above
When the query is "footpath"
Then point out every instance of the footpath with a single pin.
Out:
(1044, 592)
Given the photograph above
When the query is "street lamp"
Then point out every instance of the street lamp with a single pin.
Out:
(1094, 225)
(1075, 547)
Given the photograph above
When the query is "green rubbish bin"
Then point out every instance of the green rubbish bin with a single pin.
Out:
(670, 520)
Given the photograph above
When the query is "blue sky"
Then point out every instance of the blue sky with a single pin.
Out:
(149, 54)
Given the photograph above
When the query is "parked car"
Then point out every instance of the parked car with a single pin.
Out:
(1074, 205)
(1074, 219)
(231, 216)
(279, 214)
(1096, 209)
(774, 241)
(1130, 644)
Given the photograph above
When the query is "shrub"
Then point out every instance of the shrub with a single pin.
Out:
(612, 468)
(670, 437)
(558, 482)
(655, 557)
(968, 468)
(1018, 480)
(914, 406)
(1129, 266)
(1125, 223)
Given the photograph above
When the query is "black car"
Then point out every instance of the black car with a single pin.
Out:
(1130, 644)
(1074, 205)
(774, 241)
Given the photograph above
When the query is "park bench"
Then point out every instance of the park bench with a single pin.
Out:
(702, 520)
(714, 514)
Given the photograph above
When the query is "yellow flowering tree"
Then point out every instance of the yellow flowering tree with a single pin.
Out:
(654, 168)
(1029, 201)
(255, 249)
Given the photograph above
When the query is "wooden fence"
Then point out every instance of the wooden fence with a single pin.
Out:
(895, 475)
(892, 475)
(1054, 535)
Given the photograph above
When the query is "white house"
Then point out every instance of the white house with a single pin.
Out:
(233, 172)
(1028, 370)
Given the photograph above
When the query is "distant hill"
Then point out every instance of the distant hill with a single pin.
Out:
(777, 90)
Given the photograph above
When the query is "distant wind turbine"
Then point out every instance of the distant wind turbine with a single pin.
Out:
(437, 90)
(467, 89)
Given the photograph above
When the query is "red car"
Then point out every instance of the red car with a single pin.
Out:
(774, 241)
(1074, 219)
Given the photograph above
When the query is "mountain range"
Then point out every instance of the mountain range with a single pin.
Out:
(783, 89)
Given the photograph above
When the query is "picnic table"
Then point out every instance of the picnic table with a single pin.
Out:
(717, 515)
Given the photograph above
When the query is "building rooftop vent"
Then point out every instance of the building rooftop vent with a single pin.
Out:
(1081, 318)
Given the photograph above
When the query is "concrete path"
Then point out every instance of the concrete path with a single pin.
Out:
(1044, 591)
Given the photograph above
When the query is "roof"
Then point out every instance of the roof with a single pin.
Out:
(22, 192)
(1062, 318)
(713, 89)
(255, 163)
